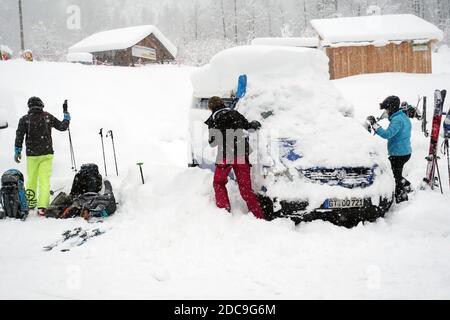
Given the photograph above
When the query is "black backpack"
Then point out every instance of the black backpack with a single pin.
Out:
(13, 197)
(97, 205)
(87, 180)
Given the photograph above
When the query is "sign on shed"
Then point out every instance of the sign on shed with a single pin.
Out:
(143, 52)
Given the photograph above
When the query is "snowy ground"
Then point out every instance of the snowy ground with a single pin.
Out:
(168, 241)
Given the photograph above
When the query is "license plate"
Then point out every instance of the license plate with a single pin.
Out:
(345, 203)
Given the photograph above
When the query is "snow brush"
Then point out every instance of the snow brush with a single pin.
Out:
(241, 90)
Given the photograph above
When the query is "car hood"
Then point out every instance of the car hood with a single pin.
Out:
(309, 119)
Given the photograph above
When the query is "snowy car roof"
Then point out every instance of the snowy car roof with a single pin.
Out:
(119, 39)
(376, 28)
(312, 42)
(219, 77)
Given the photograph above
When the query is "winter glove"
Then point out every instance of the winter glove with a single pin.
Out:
(18, 155)
(371, 120)
(66, 111)
(373, 123)
(255, 125)
(65, 107)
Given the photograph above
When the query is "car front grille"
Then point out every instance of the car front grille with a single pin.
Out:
(344, 177)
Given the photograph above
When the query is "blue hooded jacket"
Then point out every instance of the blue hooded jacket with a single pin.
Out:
(398, 135)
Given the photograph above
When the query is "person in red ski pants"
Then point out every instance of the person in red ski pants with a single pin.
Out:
(226, 132)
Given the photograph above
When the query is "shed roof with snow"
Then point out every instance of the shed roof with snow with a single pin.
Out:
(376, 28)
(120, 39)
(377, 43)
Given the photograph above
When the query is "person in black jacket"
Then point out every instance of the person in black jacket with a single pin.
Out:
(36, 129)
(226, 132)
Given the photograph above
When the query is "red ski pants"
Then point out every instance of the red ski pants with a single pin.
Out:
(242, 172)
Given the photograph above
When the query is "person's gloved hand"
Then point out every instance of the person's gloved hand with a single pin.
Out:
(255, 125)
(18, 155)
(373, 123)
(371, 120)
(66, 111)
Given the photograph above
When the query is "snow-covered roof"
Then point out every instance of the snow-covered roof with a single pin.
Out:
(375, 29)
(119, 39)
(290, 42)
(219, 77)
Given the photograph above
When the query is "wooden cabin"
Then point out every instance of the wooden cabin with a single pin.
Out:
(128, 47)
(378, 43)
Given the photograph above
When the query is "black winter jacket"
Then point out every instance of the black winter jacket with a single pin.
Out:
(226, 131)
(37, 126)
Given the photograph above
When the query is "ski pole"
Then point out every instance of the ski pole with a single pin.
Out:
(110, 134)
(439, 175)
(103, 149)
(447, 150)
(140, 164)
(72, 153)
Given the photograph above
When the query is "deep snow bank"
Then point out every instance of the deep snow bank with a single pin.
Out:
(168, 240)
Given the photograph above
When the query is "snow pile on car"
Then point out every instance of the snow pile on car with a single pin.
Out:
(219, 77)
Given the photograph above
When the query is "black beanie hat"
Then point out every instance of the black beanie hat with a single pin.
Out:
(35, 102)
(392, 103)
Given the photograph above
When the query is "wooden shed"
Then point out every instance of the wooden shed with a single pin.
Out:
(128, 46)
(379, 43)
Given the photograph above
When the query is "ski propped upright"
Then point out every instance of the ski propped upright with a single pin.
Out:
(446, 144)
(439, 100)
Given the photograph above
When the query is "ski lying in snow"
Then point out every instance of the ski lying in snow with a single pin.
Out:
(439, 100)
(74, 238)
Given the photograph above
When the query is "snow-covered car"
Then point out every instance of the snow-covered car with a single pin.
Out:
(312, 159)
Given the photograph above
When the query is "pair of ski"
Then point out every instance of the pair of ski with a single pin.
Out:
(433, 176)
(74, 238)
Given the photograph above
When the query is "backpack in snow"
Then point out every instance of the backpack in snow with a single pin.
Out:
(13, 197)
(88, 205)
(94, 205)
(87, 180)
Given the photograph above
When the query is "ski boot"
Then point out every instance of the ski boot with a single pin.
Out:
(42, 212)
(407, 186)
(401, 197)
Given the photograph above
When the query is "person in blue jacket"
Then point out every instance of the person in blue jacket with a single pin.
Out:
(399, 143)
